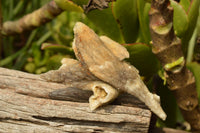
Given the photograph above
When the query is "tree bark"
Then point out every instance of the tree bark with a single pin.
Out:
(31, 104)
(167, 47)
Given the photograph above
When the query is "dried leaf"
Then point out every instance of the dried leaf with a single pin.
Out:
(117, 49)
(96, 58)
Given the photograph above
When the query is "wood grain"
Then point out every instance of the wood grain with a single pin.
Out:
(31, 104)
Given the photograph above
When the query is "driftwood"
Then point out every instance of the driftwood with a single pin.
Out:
(30, 104)
(27, 104)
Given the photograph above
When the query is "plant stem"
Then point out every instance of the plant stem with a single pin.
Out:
(167, 48)
(191, 46)
(32, 20)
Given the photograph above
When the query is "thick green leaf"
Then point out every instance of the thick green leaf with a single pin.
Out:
(143, 59)
(193, 13)
(105, 21)
(80, 2)
(143, 14)
(125, 12)
(193, 46)
(185, 4)
(180, 19)
(68, 5)
(195, 69)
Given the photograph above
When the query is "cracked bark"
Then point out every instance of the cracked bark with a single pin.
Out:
(167, 47)
(31, 104)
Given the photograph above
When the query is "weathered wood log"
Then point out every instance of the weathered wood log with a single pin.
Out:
(28, 104)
